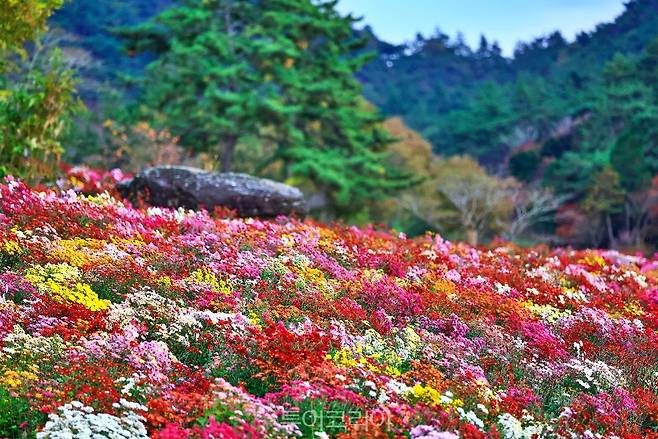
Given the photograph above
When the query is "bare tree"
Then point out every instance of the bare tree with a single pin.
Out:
(478, 201)
(459, 194)
(531, 206)
(637, 218)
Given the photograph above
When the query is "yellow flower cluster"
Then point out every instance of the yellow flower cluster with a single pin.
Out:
(103, 199)
(377, 362)
(313, 275)
(79, 293)
(432, 397)
(425, 394)
(10, 247)
(445, 286)
(61, 280)
(309, 276)
(72, 251)
(593, 260)
(288, 240)
(163, 281)
(12, 379)
(58, 272)
(634, 309)
(547, 312)
(255, 319)
(137, 241)
(207, 277)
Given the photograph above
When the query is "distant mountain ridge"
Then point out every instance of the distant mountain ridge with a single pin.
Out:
(424, 82)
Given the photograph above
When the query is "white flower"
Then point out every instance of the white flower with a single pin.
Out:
(76, 420)
(512, 428)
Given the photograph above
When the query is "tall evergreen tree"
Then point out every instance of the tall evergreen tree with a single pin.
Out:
(280, 70)
(334, 138)
(204, 85)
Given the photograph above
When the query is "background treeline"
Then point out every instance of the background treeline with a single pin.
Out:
(579, 118)
(555, 144)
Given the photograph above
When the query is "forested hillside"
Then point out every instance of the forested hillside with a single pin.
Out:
(558, 143)
(466, 100)
(463, 100)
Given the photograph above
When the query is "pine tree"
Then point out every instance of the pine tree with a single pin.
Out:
(631, 113)
(280, 70)
(335, 138)
(628, 158)
(203, 85)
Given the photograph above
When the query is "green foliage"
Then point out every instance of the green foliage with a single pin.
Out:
(21, 21)
(34, 111)
(269, 87)
(534, 104)
(434, 83)
(478, 129)
(16, 417)
(630, 161)
(36, 92)
(605, 194)
(556, 146)
(204, 84)
(523, 165)
(571, 173)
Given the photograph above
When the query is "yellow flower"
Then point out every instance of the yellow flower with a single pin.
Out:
(593, 260)
(11, 247)
(13, 379)
(633, 308)
(163, 281)
(80, 293)
(77, 251)
(207, 277)
(432, 397)
(546, 312)
(426, 395)
(62, 281)
(255, 320)
(385, 363)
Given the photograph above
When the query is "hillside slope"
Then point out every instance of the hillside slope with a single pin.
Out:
(176, 324)
(425, 81)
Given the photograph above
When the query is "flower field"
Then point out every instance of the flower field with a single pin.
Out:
(120, 322)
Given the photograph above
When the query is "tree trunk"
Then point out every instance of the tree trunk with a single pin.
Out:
(226, 155)
(472, 237)
(611, 235)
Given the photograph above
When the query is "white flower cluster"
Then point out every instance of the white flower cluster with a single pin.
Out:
(469, 416)
(502, 289)
(407, 343)
(77, 421)
(512, 428)
(596, 375)
(20, 343)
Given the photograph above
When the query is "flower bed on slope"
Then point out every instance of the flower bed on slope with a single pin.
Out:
(171, 324)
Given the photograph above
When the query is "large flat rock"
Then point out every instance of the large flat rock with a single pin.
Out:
(191, 188)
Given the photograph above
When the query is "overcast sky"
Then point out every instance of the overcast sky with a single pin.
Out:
(506, 21)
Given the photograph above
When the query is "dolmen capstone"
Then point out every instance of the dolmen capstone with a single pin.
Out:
(191, 188)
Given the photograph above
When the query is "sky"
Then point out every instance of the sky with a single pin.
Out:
(506, 21)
